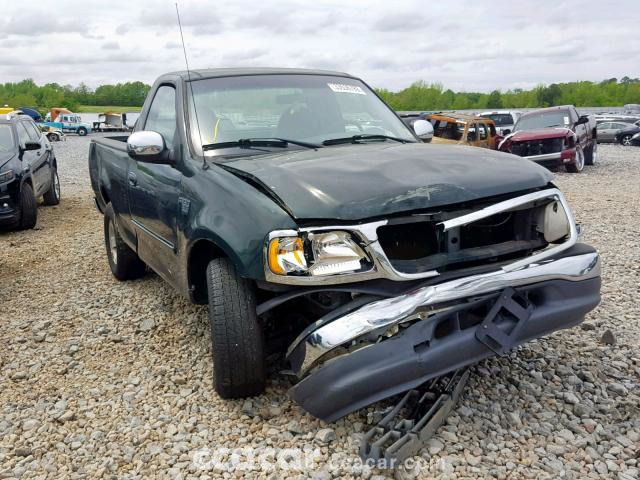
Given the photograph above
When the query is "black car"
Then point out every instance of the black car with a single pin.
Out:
(28, 170)
(624, 136)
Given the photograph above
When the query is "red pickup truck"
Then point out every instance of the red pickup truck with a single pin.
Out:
(554, 137)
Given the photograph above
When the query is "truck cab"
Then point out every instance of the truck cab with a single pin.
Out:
(67, 121)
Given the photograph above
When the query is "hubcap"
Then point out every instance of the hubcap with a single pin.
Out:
(626, 141)
(112, 243)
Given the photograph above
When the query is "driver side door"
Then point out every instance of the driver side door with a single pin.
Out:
(154, 190)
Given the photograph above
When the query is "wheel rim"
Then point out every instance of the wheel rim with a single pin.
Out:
(112, 243)
(56, 185)
(579, 160)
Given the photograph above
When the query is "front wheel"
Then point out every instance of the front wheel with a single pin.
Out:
(82, 131)
(124, 262)
(578, 166)
(28, 208)
(626, 140)
(236, 334)
(53, 137)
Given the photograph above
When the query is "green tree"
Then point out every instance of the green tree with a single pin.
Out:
(494, 100)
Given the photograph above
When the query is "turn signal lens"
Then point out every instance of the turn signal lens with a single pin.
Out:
(286, 255)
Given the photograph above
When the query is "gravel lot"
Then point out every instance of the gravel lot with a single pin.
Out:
(102, 379)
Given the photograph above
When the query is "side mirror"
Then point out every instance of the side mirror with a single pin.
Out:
(30, 145)
(582, 120)
(506, 131)
(423, 129)
(147, 146)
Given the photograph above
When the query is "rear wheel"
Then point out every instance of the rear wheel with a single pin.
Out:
(28, 208)
(236, 334)
(53, 137)
(578, 166)
(52, 197)
(124, 262)
(82, 131)
(591, 155)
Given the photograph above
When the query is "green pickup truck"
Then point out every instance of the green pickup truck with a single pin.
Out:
(317, 225)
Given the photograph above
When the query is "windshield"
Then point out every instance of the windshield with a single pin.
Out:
(542, 120)
(307, 108)
(6, 138)
(500, 119)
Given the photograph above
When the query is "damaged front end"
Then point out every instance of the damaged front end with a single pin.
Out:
(463, 284)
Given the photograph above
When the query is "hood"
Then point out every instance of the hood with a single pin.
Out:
(540, 134)
(5, 158)
(354, 182)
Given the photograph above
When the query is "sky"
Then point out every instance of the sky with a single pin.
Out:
(464, 45)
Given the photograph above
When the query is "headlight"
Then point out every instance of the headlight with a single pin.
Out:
(6, 176)
(316, 254)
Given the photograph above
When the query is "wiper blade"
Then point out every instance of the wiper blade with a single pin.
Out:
(357, 138)
(259, 142)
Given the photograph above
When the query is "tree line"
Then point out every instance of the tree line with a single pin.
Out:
(419, 96)
(432, 96)
(27, 94)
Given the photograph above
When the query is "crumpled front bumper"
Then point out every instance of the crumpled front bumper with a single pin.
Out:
(444, 333)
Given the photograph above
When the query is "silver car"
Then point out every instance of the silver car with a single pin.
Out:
(607, 131)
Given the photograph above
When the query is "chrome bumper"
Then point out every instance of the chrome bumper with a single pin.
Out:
(317, 341)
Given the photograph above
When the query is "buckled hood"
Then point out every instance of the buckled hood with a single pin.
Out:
(361, 181)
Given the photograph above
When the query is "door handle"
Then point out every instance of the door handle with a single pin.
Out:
(133, 180)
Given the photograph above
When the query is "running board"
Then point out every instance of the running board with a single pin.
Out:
(406, 428)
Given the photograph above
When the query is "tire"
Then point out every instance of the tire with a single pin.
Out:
(124, 262)
(592, 155)
(52, 196)
(626, 140)
(53, 137)
(82, 131)
(236, 335)
(579, 165)
(28, 208)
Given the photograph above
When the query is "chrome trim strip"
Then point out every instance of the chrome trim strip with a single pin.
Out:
(313, 344)
(545, 156)
(382, 268)
(154, 235)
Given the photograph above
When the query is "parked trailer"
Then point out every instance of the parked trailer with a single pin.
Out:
(111, 122)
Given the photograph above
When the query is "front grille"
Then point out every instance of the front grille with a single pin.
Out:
(537, 147)
(417, 246)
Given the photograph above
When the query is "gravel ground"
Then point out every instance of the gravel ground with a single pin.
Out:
(102, 379)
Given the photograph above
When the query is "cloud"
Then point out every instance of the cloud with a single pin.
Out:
(110, 46)
(32, 24)
(123, 28)
(402, 22)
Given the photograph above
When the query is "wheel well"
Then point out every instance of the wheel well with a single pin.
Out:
(105, 195)
(202, 252)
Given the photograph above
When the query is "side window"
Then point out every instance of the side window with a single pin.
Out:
(574, 115)
(604, 126)
(162, 114)
(23, 136)
(32, 131)
(482, 131)
(492, 129)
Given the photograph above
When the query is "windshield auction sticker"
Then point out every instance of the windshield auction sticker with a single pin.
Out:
(344, 88)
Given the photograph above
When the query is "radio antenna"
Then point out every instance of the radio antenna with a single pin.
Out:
(193, 99)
